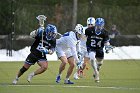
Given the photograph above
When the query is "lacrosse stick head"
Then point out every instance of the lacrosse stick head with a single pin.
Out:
(41, 19)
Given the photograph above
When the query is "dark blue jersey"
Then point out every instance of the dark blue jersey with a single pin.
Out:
(48, 44)
(96, 41)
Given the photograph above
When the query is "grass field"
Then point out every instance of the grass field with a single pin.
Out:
(115, 77)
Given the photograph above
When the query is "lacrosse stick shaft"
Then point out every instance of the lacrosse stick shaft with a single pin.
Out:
(42, 37)
(59, 34)
(41, 19)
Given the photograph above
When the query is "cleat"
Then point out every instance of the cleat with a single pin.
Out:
(30, 76)
(97, 81)
(68, 82)
(76, 76)
(15, 81)
(58, 78)
(96, 77)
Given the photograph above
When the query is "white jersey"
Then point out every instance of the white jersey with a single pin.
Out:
(83, 42)
(67, 45)
(83, 48)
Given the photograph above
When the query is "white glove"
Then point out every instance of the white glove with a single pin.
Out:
(80, 55)
(33, 34)
(80, 65)
(50, 52)
(108, 48)
(44, 50)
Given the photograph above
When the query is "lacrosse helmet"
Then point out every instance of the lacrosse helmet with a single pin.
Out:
(51, 31)
(99, 24)
(79, 30)
(91, 21)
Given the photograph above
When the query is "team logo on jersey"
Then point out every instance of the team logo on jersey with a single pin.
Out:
(96, 37)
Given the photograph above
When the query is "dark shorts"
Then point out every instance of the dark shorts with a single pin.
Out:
(32, 59)
(99, 54)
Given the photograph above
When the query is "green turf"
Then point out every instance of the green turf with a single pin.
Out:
(115, 77)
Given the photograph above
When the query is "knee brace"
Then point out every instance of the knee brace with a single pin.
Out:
(23, 69)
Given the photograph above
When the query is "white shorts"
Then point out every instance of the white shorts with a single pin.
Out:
(85, 53)
(92, 55)
(63, 52)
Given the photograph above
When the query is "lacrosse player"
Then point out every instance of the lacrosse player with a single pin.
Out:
(38, 51)
(97, 38)
(83, 54)
(66, 52)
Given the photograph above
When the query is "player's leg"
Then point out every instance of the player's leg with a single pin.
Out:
(29, 61)
(43, 67)
(80, 71)
(62, 56)
(24, 68)
(86, 60)
(94, 66)
(63, 64)
(99, 63)
(79, 68)
(99, 58)
(71, 62)
(61, 67)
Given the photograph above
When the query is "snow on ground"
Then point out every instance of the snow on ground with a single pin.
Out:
(118, 53)
(124, 52)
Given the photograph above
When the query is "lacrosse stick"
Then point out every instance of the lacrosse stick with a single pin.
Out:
(59, 34)
(41, 19)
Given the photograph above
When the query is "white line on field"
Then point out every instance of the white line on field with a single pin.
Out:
(70, 86)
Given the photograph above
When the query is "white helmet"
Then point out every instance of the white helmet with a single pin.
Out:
(91, 21)
(79, 29)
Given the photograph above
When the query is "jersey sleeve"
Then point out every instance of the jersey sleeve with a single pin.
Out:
(106, 37)
(86, 32)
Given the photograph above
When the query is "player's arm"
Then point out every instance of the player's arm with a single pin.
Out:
(37, 32)
(78, 46)
(107, 45)
(33, 33)
(86, 32)
(52, 49)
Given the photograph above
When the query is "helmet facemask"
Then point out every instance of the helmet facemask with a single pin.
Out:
(79, 31)
(51, 32)
(90, 22)
(51, 35)
(99, 25)
(99, 28)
